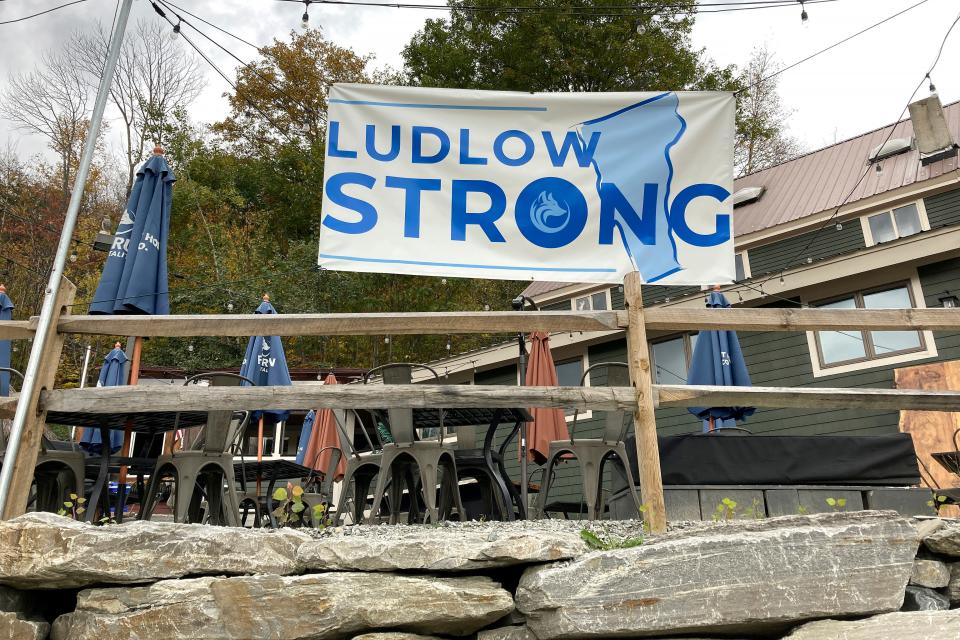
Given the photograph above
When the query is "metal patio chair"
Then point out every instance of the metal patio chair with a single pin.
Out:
(434, 458)
(208, 461)
(593, 453)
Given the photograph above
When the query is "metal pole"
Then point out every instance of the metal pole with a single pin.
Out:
(48, 311)
(83, 381)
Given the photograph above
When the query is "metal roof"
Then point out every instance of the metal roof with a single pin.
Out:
(820, 180)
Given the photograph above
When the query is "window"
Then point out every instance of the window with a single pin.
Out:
(592, 302)
(742, 265)
(671, 359)
(835, 348)
(569, 373)
(898, 223)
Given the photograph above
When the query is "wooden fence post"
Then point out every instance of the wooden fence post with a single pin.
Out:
(644, 423)
(32, 436)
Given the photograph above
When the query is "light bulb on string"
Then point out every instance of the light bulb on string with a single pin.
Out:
(73, 257)
(190, 347)
(931, 87)
(468, 24)
(305, 18)
(176, 31)
(803, 14)
(229, 306)
(839, 226)
(879, 169)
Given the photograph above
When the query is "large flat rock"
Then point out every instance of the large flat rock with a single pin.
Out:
(317, 606)
(748, 576)
(928, 625)
(44, 550)
(439, 549)
(945, 540)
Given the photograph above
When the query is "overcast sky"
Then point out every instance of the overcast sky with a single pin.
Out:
(858, 86)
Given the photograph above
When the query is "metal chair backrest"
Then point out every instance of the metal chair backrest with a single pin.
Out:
(401, 420)
(614, 427)
(222, 427)
(11, 373)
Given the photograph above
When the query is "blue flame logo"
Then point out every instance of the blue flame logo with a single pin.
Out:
(547, 215)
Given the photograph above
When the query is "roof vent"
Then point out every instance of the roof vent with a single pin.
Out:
(890, 148)
(747, 195)
(934, 141)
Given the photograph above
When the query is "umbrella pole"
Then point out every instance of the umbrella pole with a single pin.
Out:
(524, 499)
(259, 449)
(128, 431)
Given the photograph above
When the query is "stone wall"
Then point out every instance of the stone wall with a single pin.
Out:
(865, 575)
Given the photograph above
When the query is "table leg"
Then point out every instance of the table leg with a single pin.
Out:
(523, 468)
(493, 471)
(273, 521)
(102, 474)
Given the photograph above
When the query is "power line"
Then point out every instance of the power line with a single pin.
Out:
(866, 170)
(208, 23)
(42, 12)
(832, 46)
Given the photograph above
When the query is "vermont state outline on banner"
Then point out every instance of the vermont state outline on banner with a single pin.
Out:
(573, 187)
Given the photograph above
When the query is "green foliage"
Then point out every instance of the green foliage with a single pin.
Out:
(837, 504)
(604, 543)
(726, 510)
(73, 508)
(937, 502)
(291, 506)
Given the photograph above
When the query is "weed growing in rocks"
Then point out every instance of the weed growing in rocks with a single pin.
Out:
(73, 507)
(291, 505)
(837, 504)
(726, 510)
(605, 543)
(936, 503)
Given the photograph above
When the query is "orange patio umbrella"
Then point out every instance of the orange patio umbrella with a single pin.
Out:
(548, 424)
(324, 434)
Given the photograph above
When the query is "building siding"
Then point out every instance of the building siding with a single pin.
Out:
(943, 209)
(783, 359)
(824, 243)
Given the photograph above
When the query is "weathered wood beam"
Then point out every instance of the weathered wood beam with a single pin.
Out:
(178, 398)
(805, 398)
(8, 405)
(195, 398)
(677, 319)
(16, 329)
(656, 319)
(332, 324)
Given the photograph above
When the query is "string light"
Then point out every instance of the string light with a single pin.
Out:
(468, 25)
(305, 19)
(809, 260)
(839, 226)
(878, 168)
(190, 347)
(176, 31)
(229, 306)
(932, 87)
(803, 13)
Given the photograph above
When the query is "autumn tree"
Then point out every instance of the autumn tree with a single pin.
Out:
(562, 45)
(762, 134)
(52, 101)
(154, 77)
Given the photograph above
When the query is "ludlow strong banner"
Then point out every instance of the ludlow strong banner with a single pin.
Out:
(575, 187)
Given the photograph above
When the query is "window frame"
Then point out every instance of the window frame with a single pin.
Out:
(687, 351)
(589, 295)
(584, 358)
(745, 260)
(927, 348)
(888, 210)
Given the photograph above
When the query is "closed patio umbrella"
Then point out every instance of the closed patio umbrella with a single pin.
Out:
(718, 361)
(324, 434)
(6, 313)
(111, 375)
(266, 365)
(548, 424)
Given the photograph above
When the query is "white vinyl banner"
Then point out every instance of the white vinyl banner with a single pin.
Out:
(572, 187)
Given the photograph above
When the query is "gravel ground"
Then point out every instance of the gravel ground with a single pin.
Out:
(613, 531)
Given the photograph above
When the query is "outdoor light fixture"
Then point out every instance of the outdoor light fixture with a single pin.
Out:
(950, 302)
(468, 25)
(839, 226)
(803, 13)
(486, 307)
(305, 19)
(104, 239)
(521, 301)
(176, 31)
(932, 87)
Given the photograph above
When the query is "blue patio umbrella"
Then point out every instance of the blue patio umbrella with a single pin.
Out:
(718, 361)
(305, 435)
(266, 365)
(6, 313)
(111, 375)
(134, 278)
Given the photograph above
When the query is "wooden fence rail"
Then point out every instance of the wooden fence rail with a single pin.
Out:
(658, 319)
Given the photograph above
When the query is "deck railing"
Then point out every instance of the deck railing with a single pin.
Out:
(641, 398)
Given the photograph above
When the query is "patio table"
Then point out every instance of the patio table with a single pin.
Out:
(150, 423)
(492, 418)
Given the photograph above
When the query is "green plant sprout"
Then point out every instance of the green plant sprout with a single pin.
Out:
(726, 510)
(936, 503)
(320, 521)
(291, 504)
(73, 507)
(596, 543)
(837, 504)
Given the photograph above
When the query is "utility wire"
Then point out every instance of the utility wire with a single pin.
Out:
(866, 170)
(832, 46)
(34, 15)
(210, 24)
